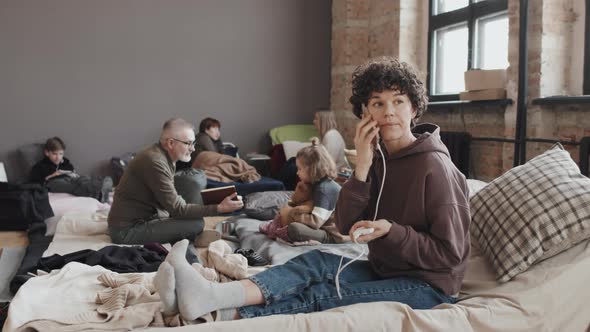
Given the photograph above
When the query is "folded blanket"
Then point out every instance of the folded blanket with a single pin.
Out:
(133, 306)
(224, 168)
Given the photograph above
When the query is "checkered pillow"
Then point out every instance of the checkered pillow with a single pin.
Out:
(532, 212)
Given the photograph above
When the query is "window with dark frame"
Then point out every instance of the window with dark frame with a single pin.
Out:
(465, 34)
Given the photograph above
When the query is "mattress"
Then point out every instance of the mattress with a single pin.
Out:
(550, 296)
(62, 203)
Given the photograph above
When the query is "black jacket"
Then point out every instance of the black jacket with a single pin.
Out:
(45, 167)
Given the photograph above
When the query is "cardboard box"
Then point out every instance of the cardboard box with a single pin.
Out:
(487, 94)
(485, 79)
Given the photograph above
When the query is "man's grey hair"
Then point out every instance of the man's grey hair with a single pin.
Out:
(173, 126)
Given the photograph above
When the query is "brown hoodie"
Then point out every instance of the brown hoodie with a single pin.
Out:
(425, 198)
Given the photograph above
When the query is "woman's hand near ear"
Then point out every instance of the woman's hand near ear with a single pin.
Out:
(366, 131)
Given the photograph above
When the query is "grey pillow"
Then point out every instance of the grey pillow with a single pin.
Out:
(189, 183)
(265, 205)
(531, 212)
(30, 154)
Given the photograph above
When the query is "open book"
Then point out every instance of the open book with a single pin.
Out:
(216, 195)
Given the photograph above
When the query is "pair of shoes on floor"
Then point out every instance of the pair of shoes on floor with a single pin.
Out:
(254, 259)
(206, 237)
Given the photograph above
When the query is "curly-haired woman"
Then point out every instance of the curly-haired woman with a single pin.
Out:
(420, 243)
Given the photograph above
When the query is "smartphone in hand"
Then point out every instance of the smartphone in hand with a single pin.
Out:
(375, 140)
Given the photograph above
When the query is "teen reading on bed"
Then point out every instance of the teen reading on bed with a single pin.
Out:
(58, 174)
(146, 207)
(420, 243)
(307, 217)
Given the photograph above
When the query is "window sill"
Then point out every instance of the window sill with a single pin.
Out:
(435, 105)
(562, 100)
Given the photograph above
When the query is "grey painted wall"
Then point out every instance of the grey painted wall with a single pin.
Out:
(105, 74)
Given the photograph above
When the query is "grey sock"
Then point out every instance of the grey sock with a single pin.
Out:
(226, 314)
(198, 296)
(164, 282)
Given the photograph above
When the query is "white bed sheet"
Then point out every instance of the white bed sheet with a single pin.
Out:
(78, 231)
(66, 203)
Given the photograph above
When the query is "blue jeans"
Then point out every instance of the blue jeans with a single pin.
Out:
(306, 284)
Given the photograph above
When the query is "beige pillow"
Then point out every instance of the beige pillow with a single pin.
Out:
(531, 212)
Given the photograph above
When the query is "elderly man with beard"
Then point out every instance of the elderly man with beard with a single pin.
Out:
(146, 206)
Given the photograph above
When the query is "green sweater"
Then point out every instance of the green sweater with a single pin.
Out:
(146, 191)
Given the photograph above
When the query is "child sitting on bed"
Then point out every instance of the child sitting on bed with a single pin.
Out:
(308, 215)
(58, 174)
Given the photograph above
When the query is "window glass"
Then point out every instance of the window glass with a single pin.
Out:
(449, 59)
(492, 42)
(443, 6)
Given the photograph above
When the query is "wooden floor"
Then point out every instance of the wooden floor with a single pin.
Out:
(13, 239)
(19, 239)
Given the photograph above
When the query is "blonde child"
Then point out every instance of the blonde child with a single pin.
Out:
(307, 217)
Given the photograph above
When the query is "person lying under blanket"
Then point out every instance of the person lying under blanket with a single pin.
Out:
(224, 168)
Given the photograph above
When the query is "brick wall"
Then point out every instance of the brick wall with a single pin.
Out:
(350, 47)
(363, 29)
(368, 28)
(487, 158)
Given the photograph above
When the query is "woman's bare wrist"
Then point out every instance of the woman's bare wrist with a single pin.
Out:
(360, 173)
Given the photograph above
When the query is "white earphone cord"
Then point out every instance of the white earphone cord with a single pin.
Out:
(340, 267)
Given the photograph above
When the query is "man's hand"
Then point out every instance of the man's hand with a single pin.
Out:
(381, 228)
(231, 203)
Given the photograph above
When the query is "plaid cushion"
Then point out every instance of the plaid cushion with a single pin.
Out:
(532, 212)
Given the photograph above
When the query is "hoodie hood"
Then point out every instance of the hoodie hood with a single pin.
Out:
(427, 140)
